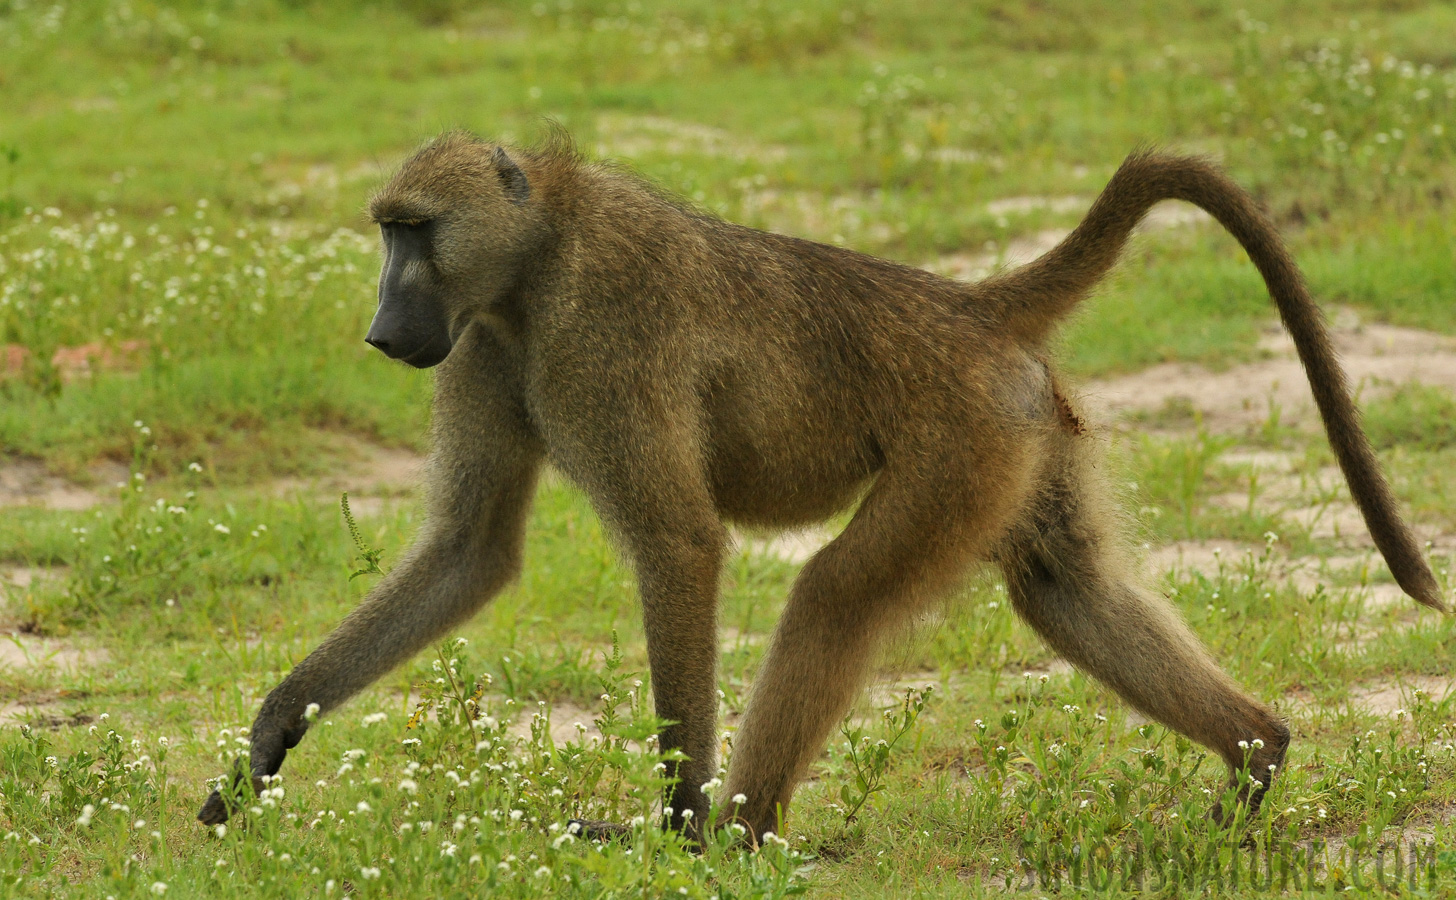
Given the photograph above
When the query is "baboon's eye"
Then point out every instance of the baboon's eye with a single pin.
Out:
(386, 224)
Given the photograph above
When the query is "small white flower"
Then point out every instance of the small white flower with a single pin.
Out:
(159, 888)
(409, 786)
(221, 831)
(740, 799)
(311, 712)
(194, 467)
(375, 718)
(363, 806)
(222, 529)
(368, 873)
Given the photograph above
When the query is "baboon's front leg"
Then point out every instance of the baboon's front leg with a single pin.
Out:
(482, 477)
(1068, 580)
(679, 605)
(662, 512)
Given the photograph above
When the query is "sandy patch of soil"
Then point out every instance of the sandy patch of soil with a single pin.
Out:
(1375, 357)
(22, 577)
(1383, 698)
(379, 473)
(1361, 570)
(32, 654)
(27, 482)
(568, 722)
(25, 651)
(1204, 557)
(1387, 699)
(77, 362)
(32, 711)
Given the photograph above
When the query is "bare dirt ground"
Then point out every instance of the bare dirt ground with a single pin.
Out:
(1376, 358)
(378, 474)
(35, 655)
(26, 482)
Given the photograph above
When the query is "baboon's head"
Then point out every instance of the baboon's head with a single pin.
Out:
(457, 220)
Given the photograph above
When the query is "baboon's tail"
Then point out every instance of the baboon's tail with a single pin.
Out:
(1033, 298)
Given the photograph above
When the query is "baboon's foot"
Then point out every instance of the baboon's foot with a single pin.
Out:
(1265, 760)
(602, 832)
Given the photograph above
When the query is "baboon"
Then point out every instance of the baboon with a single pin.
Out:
(686, 372)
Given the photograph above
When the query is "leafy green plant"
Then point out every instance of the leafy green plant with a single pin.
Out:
(367, 555)
(868, 759)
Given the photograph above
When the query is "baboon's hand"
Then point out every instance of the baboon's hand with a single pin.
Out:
(269, 747)
(219, 806)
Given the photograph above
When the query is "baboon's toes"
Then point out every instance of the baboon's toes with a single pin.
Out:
(214, 811)
(590, 830)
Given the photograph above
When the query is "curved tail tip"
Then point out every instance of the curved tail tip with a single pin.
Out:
(1425, 591)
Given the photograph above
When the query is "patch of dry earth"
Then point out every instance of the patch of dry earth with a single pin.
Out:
(382, 472)
(27, 482)
(1375, 357)
(25, 651)
(568, 722)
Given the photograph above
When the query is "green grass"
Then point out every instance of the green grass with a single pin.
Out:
(182, 185)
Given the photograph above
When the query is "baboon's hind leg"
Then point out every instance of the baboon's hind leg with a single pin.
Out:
(911, 538)
(1066, 574)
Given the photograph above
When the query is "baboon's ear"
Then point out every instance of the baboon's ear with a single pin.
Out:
(518, 188)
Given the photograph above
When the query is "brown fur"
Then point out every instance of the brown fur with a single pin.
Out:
(687, 372)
